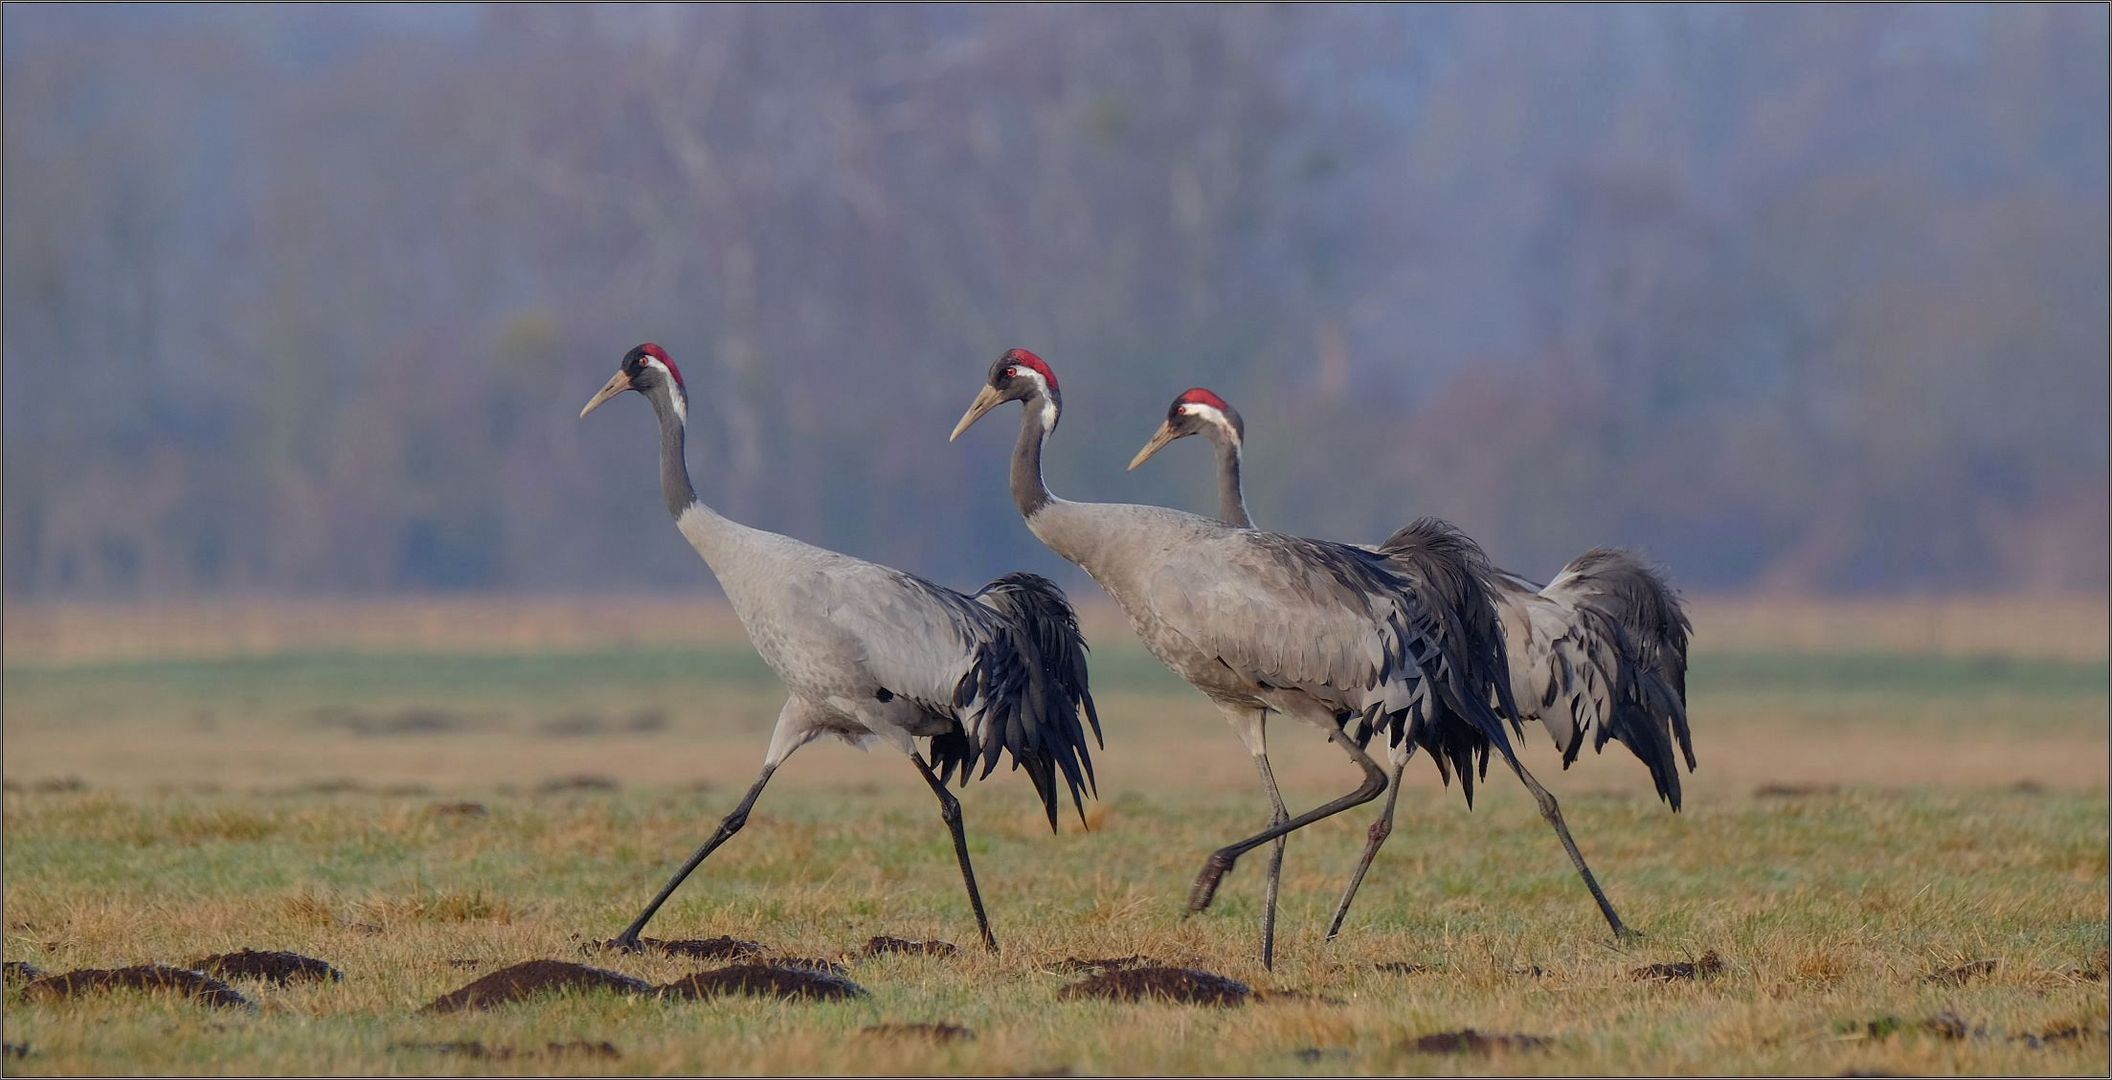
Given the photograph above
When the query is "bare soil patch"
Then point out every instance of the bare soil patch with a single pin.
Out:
(764, 980)
(1187, 986)
(280, 968)
(1470, 1041)
(533, 979)
(198, 987)
(883, 944)
(1709, 964)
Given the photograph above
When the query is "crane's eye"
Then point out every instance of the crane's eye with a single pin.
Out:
(1183, 410)
(1011, 373)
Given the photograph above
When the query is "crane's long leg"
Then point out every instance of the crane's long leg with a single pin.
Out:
(1380, 830)
(1283, 814)
(1553, 814)
(1221, 860)
(628, 940)
(950, 812)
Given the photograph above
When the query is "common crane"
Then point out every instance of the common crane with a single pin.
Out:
(878, 657)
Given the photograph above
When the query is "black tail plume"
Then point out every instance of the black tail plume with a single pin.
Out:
(1044, 734)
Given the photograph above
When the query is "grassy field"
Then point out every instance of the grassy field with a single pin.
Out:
(1886, 793)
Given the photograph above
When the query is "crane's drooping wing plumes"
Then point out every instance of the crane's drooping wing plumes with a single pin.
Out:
(1647, 609)
(1450, 578)
(1007, 664)
(1044, 626)
(1576, 668)
(1401, 639)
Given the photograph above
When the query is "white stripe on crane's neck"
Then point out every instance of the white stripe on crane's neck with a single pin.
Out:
(674, 388)
(1048, 400)
(1212, 414)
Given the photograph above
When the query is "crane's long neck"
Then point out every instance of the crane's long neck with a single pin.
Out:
(1028, 488)
(674, 467)
(1231, 499)
(704, 527)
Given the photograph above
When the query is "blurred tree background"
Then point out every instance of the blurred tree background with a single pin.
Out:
(305, 299)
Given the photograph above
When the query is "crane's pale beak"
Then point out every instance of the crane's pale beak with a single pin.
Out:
(616, 386)
(1158, 442)
(989, 399)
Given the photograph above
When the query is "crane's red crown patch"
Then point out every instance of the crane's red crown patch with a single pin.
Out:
(1199, 396)
(660, 354)
(1026, 359)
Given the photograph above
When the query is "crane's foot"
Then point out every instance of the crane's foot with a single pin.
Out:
(1214, 870)
(1626, 935)
(624, 943)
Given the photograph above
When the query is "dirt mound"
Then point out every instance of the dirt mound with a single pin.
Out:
(1709, 964)
(198, 987)
(15, 971)
(718, 948)
(1187, 986)
(532, 979)
(764, 980)
(14, 1050)
(884, 944)
(1105, 963)
(281, 968)
(1470, 1041)
(934, 1032)
(1963, 973)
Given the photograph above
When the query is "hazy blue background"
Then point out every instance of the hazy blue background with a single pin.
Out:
(306, 299)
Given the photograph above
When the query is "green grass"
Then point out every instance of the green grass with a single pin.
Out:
(205, 826)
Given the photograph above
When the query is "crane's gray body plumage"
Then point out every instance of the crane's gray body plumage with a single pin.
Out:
(877, 655)
(1256, 620)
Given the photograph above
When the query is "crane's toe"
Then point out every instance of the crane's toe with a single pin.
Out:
(1205, 890)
